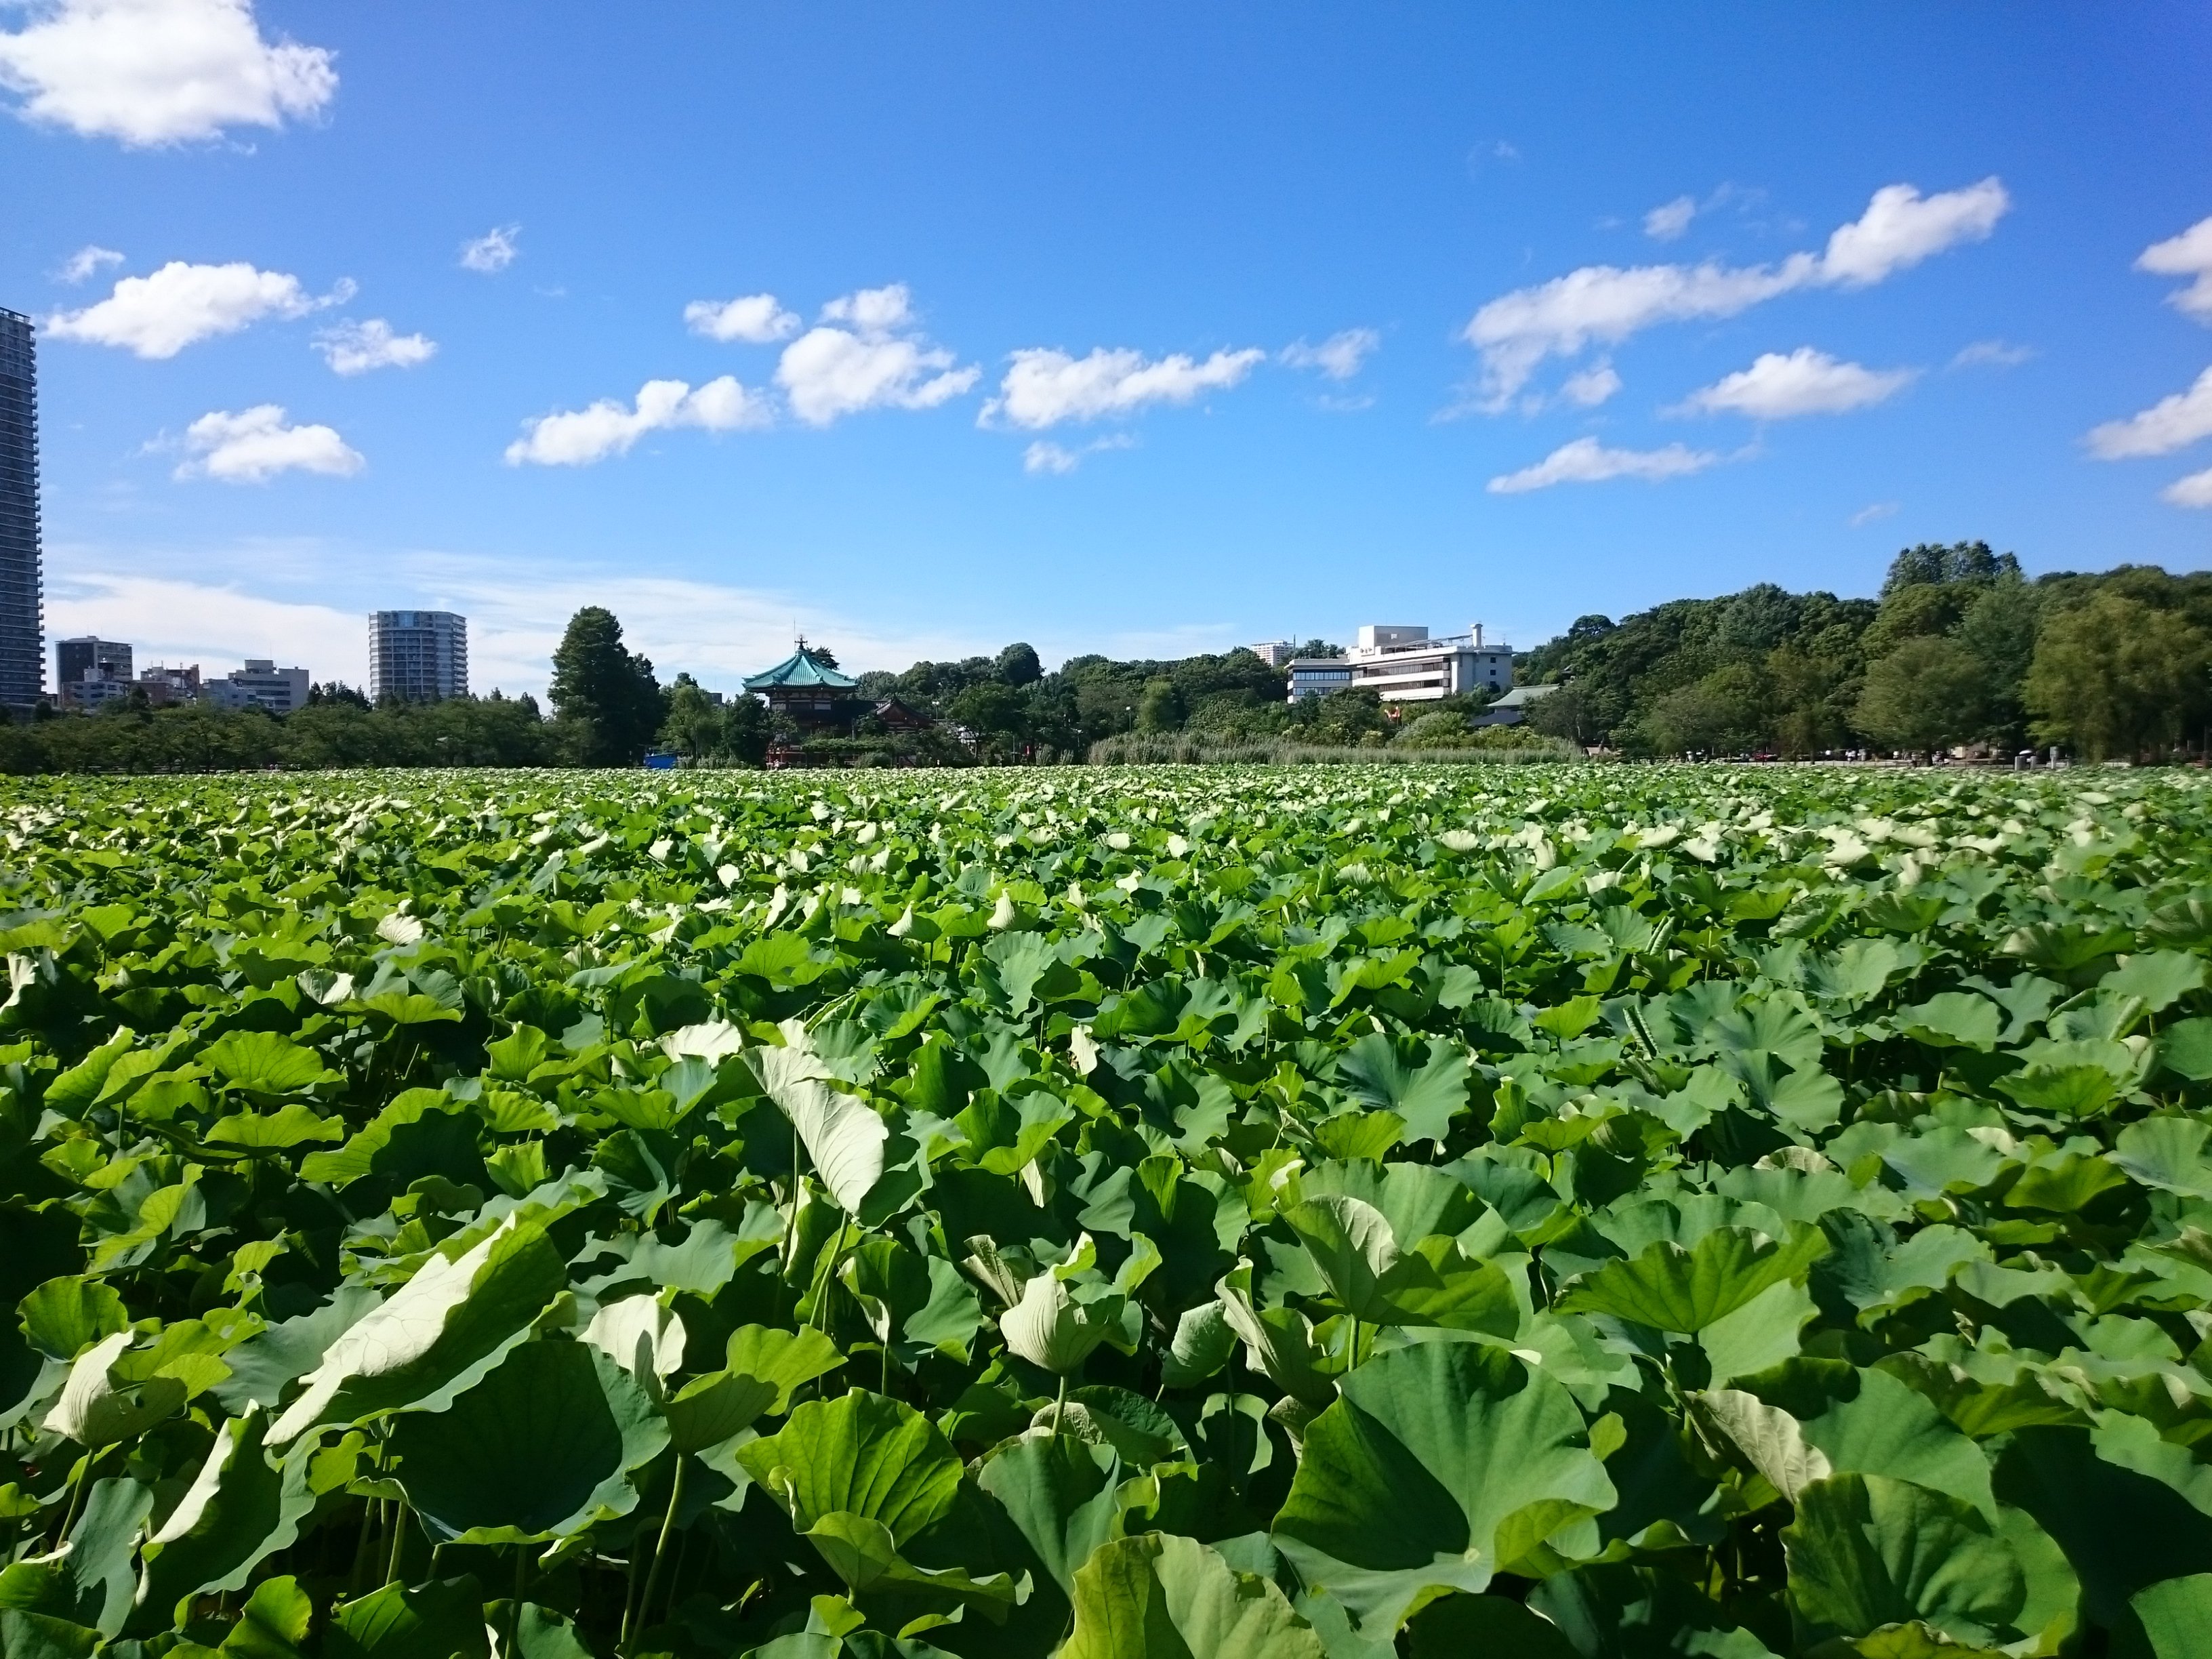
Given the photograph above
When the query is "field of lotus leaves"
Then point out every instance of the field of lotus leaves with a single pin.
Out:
(1554, 1213)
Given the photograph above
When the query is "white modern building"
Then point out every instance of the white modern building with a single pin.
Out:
(1402, 664)
(1274, 653)
(418, 656)
(261, 684)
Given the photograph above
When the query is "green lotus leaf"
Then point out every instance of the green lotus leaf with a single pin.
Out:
(1161, 1596)
(844, 1136)
(240, 1510)
(1866, 1552)
(293, 1125)
(265, 1063)
(1954, 1019)
(2160, 978)
(1408, 1480)
(1633, 1611)
(443, 1617)
(447, 1326)
(63, 1316)
(1062, 1494)
(2177, 1616)
(1425, 1086)
(2166, 1152)
(541, 1446)
(863, 1455)
(1673, 1289)
(2184, 1048)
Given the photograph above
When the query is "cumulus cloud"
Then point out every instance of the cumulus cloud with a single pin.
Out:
(1591, 386)
(2189, 254)
(1992, 353)
(255, 444)
(2169, 424)
(1045, 386)
(2195, 491)
(159, 71)
(493, 250)
(581, 437)
(87, 261)
(1670, 219)
(1900, 228)
(865, 354)
(1044, 456)
(180, 304)
(352, 348)
(1587, 461)
(1339, 357)
(1778, 387)
(755, 319)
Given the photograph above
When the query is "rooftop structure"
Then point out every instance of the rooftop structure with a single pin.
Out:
(808, 690)
(417, 656)
(1513, 708)
(22, 593)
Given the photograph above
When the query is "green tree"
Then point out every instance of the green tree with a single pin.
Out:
(1440, 728)
(1563, 714)
(1999, 627)
(1159, 707)
(1722, 712)
(694, 726)
(2116, 678)
(603, 692)
(1017, 665)
(1928, 693)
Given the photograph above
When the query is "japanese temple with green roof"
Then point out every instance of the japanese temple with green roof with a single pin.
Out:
(808, 691)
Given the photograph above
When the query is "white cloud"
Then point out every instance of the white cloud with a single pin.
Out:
(1044, 386)
(581, 437)
(87, 261)
(755, 319)
(2195, 491)
(1995, 354)
(1339, 357)
(352, 348)
(867, 363)
(1670, 219)
(493, 250)
(2169, 424)
(180, 304)
(1587, 461)
(1777, 388)
(1044, 456)
(2189, 254)
(159, 71)
(254, 445)
(1590, 387)
(1872, 512)
(1900, 228)
(170, 621)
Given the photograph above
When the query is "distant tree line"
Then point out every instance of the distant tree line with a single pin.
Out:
(1959, 648)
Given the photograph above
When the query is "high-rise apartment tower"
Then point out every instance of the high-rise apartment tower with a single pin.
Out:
(22, 594)
(419, 656)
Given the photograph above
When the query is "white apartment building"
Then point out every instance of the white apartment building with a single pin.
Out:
(1402, 664)
(418, 656)
(1274, 653)
(261, 684)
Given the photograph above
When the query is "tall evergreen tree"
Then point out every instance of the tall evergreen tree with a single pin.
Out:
(604, 690)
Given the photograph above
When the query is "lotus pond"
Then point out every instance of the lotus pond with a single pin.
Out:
(1556, 1212)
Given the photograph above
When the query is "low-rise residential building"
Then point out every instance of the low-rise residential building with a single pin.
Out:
(1400, 663)
(164, 685)
(261, 684)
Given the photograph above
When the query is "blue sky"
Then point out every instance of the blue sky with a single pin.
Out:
(1137, 329)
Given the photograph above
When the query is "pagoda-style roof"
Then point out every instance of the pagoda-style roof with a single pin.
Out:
(801, 669)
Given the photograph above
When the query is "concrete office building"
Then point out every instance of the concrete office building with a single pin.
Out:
(261, 684)
(22, 590)
(418, 656)
(1402, 664)
(90, 670)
